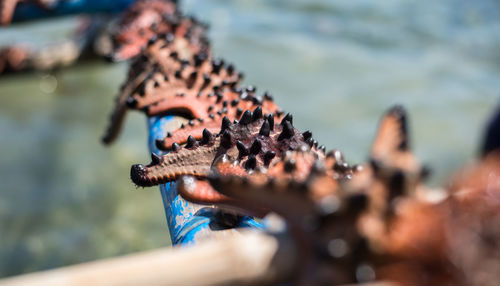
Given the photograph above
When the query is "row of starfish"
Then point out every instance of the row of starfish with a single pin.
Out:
(241, 152)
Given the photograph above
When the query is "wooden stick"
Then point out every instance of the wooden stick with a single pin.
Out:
(251, 258)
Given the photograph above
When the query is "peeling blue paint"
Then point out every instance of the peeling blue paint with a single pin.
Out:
(185, 220)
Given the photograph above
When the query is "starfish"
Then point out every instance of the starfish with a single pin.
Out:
(176, 78)
(453, 242)
(329, 207)
(147, 19)
(209, 111)
(200, 88)
(254, 141)
(148, 71)
(307, 195)
(393, 170)
(391, 156)
(295, 165)
(13, 58)
(7, 8)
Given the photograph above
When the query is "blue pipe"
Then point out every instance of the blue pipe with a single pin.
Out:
(186, 222)
(25, 12)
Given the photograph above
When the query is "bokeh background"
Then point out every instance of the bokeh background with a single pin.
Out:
(336, 65)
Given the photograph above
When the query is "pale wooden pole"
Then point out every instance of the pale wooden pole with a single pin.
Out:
(251, 258)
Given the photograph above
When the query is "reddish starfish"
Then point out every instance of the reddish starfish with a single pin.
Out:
(147, 19)
(254, 141)
(393, 167)
(329, 217)
(7, 8)
(148, 71)
(318, 213)
(454, 242)
(293, 164)
(211, 109)
(176, 78)
(198, 88)
(13, 58)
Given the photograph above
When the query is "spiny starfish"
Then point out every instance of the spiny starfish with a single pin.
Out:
(391, 156)
(393, 170)
(454, 242)
(292, 164)
(254, 141)
(190, 76)
(320, 215)
(7, 8)
(211, 109)
(328, 217)
(13, 58)
(162, 57)
(147, 19)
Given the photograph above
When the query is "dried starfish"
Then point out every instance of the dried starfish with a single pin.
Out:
(393, 170)
(211, 109)
(295, 165)
(391, 156)
(174, 77)
(454, 242)
(147, 71)
(314, 207)
(329, 218)
(255, 141)
(177, 76)
(7, 8)
(13, 58)
(146, 20)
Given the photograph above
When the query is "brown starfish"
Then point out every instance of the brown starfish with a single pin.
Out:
(7, 8)
(13, 58)
(454, 242)
(147, 19)
(292, 165)
(320, 215)
(391, 156)
(332, 219)
(202, 89)
(393, 170)
(176, 78)
(212, 108)
(148, 71)
(254, 141)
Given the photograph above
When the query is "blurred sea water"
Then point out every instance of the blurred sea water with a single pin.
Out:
(336, 65)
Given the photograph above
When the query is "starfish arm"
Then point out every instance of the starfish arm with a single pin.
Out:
(212, 123)
(120, 109)
(392, 135)
(7, 8)
(194, 161)
(181, 135)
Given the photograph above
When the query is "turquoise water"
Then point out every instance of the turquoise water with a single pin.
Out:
(336, 65)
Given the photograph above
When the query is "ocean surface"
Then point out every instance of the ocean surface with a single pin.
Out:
(336, 65)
